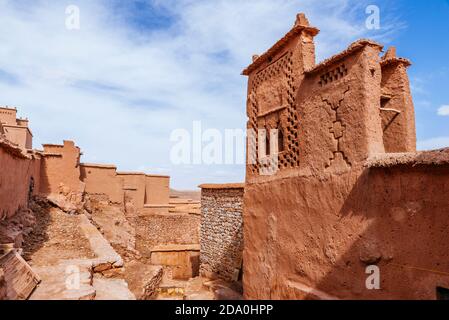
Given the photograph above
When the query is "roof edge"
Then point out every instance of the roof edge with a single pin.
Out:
(222, 186)
(353, 47)
(296, 30)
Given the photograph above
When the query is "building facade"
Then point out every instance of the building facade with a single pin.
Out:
(334, 185)
(15, 129)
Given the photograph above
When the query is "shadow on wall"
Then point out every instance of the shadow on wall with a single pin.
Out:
(225, 260)
(195, 263)
(37, 238)
(222, 232)
(404, 218)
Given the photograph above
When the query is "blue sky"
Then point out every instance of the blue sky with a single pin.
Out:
(425, 42)
(139, 69)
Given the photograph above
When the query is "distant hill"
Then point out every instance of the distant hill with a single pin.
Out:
(186, 194)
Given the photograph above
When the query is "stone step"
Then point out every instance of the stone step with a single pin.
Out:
(107, 257)
(111, 289)
(223, 290)
(60, 282)
(195, 290)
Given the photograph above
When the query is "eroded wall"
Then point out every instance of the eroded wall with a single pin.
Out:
(397, 111)
(180, 261)
(134, 188)
(102, 180)
(321, 214)
(60, 172)
(19, 181)
(19, 178)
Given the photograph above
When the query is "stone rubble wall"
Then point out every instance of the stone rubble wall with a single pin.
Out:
(221, 233)
(160, 229)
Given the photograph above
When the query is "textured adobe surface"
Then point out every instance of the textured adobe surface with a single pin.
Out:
(339, 200)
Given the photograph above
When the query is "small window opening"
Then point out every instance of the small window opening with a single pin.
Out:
(267, 143)
(384, 101)
(280, 140)
(442, 293)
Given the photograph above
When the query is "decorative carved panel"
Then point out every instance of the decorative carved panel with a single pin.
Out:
(272, 96)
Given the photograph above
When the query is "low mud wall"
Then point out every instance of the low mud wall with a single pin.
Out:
(19, 178)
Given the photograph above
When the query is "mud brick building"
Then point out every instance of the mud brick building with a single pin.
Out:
(15, 129)
(347, 188)
(335, 188)
(133, 210)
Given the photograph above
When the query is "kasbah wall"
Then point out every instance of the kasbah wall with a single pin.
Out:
(221, 231)
(133, 210)
(350, 189)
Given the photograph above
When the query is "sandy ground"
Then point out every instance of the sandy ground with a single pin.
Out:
(56, 236)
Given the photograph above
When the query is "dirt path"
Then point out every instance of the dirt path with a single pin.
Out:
(69, 254)
(57, 236)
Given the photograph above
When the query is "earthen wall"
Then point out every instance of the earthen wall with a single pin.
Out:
(180, 261)
(60, 171)
(317, 236)
(134, 187)
(397, 111)
(8, 115)
(103, 180)
(19, 135)
(19, 178)
(329, 211)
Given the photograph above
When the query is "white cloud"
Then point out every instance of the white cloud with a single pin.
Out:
(433, 143)
(443, 110)
(417, 86)
(118, 91)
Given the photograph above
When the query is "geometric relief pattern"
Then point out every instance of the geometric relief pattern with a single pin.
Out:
(282, 71)
(333, 75)
(338, 161)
